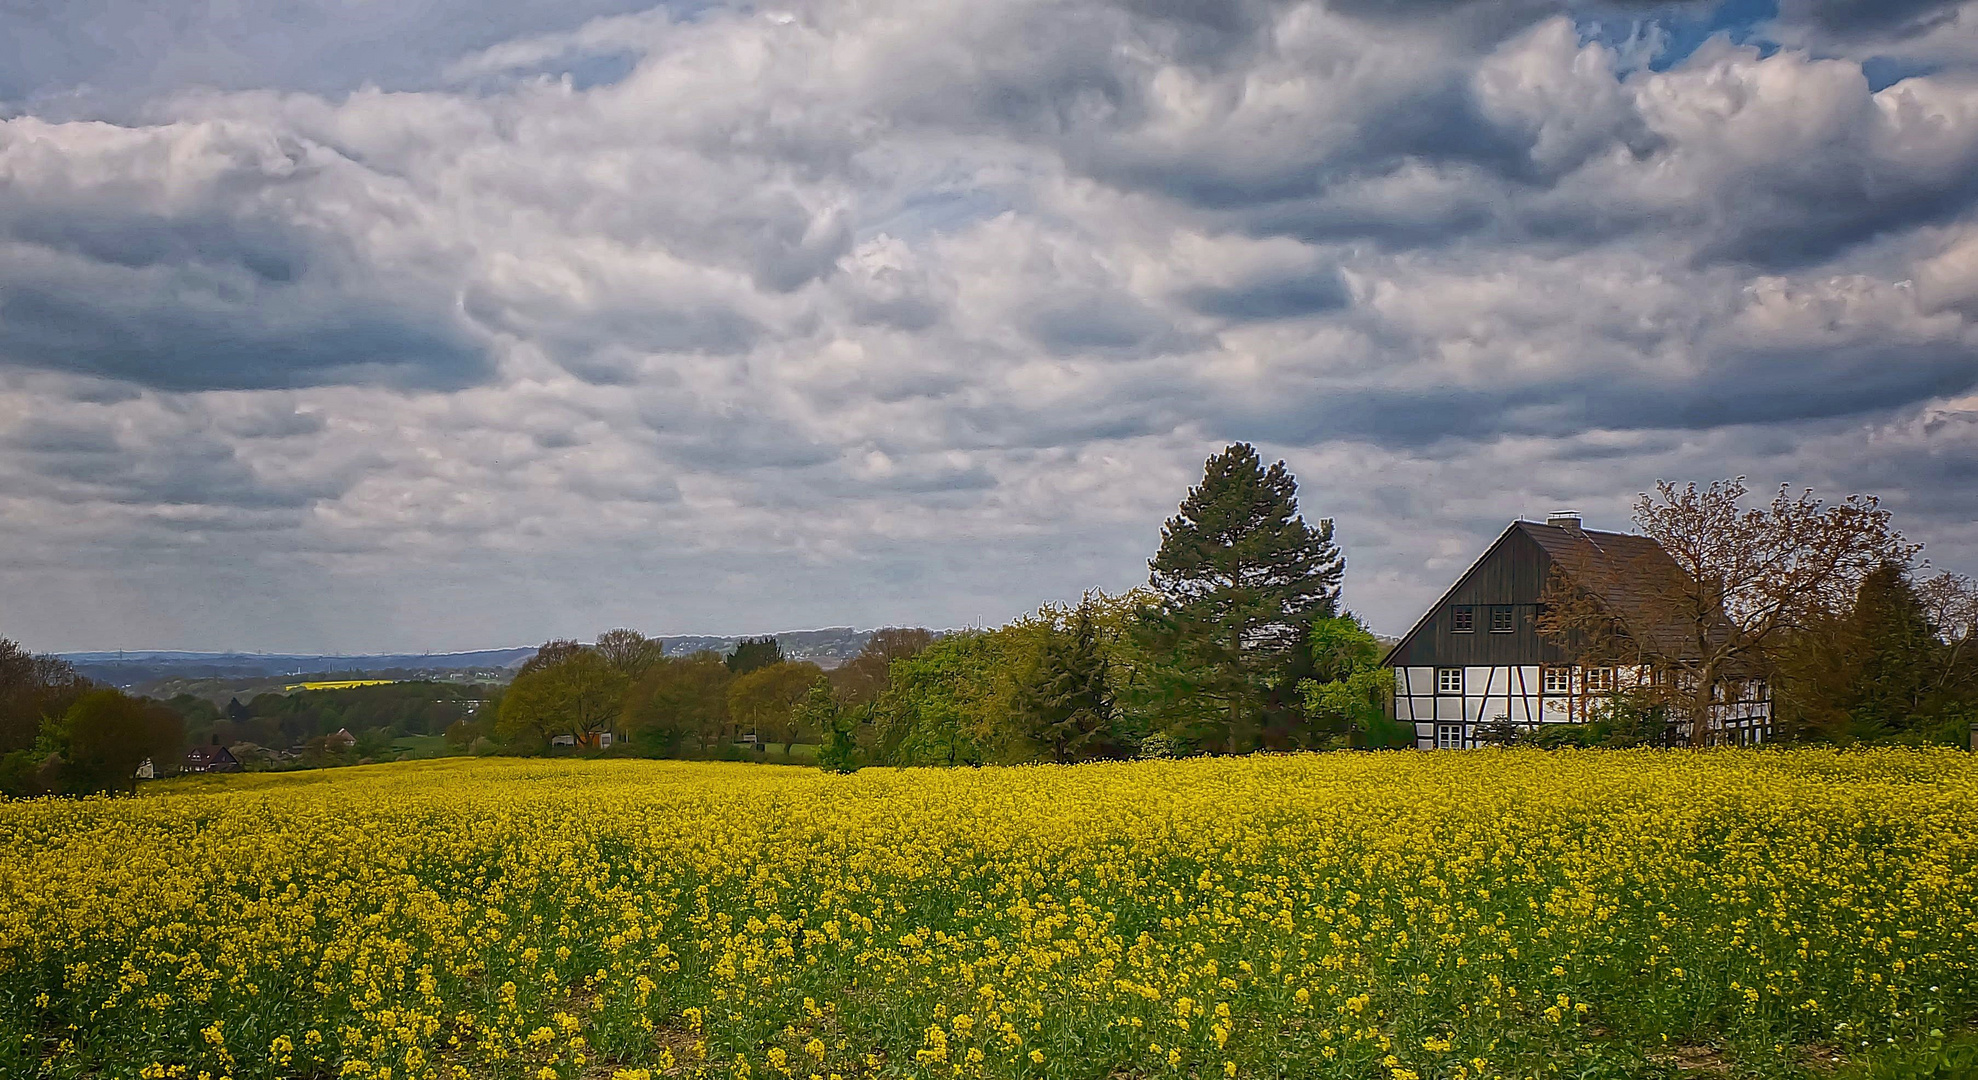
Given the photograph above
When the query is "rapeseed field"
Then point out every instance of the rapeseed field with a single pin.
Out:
(1390, 916)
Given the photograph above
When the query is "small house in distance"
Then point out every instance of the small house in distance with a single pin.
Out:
(1476, 659)
(211, 758)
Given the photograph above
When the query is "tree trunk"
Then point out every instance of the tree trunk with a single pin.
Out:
(1700, 707)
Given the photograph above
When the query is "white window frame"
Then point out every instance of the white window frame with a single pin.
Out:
(1444, 676)
(1449, 736)
(1556, 680)
(1600, 680)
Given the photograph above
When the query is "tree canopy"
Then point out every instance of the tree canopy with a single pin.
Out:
(1237, 582)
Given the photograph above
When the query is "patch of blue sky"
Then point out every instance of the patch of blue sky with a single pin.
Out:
(1665, 36)
(1886, 71)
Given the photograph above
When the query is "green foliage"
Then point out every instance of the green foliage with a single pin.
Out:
(680, 698)
(98, 744)
(1067, 707)
(282, 720)
(1349, 693)
(565, 689)
(1238, 579)
(33, 689)
(837, 726)
(754, 653)
(950, 704)
(764, 700)
(1879, 672)
(1936, 1057)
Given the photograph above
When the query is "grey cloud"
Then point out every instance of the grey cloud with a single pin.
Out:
(274, 423)
(1106, 325)
(1272, 298)
(79, 459)
(1903, 17)
(155, 339)
(1735, 388)
(182, 257)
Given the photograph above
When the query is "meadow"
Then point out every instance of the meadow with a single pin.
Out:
(1391, 916)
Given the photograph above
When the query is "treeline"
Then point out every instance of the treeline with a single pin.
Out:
(61, 734)
(301, 717)
(1236, 644)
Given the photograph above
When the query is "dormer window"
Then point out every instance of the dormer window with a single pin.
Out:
(1500, 619)
(1463, 620)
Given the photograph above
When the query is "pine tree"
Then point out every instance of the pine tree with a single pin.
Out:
(1067, 707)
(753, 653)
(1240, 577)
(1897, 657)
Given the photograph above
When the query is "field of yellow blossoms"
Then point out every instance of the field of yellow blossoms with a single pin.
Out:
(1389, 916)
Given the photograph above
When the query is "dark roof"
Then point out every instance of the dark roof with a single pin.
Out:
(1631, 576)
(1626, 572)
(208, 755)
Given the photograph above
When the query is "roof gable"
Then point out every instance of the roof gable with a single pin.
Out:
(1463, 579)
(1625, 572)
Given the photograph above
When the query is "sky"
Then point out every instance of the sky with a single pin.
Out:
(343, 325)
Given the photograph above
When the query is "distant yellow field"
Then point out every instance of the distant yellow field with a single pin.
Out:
(1448, 916)
(339, 684)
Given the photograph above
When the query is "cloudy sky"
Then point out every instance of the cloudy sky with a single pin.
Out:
(351, 325)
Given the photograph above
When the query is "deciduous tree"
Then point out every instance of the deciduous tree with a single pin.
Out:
(1729, 586)
(107, 734)
(682, 697)
(629, 652)
(764, 700)
(1348, 691)
(863, 678)
(33, 689)
(565, 689)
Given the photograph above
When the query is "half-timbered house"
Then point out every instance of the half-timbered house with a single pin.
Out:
(1476, 661)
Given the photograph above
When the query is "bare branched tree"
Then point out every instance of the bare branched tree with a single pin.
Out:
(1950, 602)
(1722, 587)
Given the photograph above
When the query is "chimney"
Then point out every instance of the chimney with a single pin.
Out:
(1564, 519)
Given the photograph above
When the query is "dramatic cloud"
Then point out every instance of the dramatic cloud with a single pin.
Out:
(331, 327)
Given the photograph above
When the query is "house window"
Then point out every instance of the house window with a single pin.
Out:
(1558, 680)
(1463, 620)
(1449, 680)
(1500, 619)
(1600, 680)
(1449, 736)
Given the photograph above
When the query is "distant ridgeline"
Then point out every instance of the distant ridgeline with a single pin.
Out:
(142, 669)
(826, 648)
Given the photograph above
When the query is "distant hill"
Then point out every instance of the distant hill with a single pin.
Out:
(827, 648)
(145, 669)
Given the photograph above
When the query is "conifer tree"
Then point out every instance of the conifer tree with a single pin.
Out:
(1240, 576)
(753, 653)
(1068, 706)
